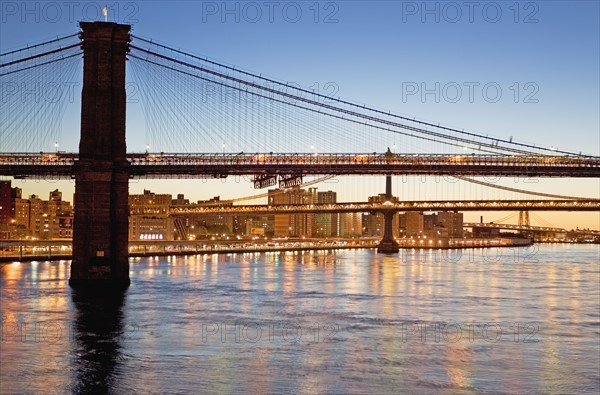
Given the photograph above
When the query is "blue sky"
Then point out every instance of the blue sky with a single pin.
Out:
(543, 56)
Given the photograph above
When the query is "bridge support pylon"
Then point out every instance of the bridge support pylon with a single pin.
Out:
(101, 212)
(388, 245)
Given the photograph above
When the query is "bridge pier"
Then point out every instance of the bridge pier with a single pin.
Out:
(388, 245)
(101, 212)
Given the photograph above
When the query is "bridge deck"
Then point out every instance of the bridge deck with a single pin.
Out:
(398, 206)
(163, 165)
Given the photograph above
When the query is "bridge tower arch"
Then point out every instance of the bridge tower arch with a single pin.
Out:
(524, 218)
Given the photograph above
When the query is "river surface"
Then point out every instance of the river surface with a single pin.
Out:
(512, 320)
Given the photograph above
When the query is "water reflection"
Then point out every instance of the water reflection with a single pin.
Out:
(369, 324)
(98, 330)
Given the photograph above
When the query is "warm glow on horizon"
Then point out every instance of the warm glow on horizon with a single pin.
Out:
(353, 189)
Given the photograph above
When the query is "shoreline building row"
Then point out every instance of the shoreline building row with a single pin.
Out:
(150, 218)
(32, 217)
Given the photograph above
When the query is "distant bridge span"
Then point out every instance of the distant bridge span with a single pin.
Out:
(456, 205)
(530, 228)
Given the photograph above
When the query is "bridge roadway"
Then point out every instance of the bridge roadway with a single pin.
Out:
(532, 228)
(166, 165)
(393, 206)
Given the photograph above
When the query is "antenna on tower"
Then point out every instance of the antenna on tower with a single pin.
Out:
(105, 13)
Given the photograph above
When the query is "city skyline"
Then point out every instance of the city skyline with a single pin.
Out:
(324, 196)
(565, 87)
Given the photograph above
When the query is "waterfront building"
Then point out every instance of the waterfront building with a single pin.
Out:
(149, 216)
(326, 224)
(441, 224)
(293, 225)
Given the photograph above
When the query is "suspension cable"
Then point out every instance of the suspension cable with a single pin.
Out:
(39, 45)
(329, 107)
(39, 55)
(412, 128)
(494, 140)
(549, 195)
(41, 64)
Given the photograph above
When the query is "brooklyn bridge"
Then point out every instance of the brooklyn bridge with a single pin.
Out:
(191, 103)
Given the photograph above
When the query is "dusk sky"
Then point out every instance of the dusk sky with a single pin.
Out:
(538, 60)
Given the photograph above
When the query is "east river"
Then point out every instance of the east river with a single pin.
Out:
(506, 320)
